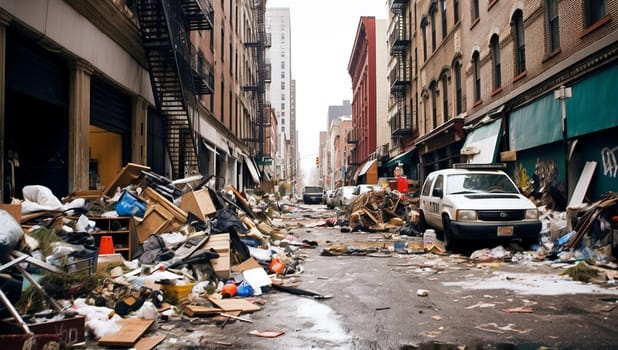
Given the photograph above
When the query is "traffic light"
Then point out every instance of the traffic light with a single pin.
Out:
(317, 161)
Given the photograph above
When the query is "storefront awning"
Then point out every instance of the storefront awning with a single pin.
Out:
(402, 157)
(481, 144)
(255, 174)
(366, 167)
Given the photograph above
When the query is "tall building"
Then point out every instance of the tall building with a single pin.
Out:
(281, 87)
(529, 84)
(338, 149)
(367, 69)
(175, 85)
(336, 111)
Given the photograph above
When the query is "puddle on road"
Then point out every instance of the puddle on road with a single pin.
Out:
(532, 284)
(435, 345)
(325, 322)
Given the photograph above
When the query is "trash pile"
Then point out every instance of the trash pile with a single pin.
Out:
(583, 232)
(144, 248)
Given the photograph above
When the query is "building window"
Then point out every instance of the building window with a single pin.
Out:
(444, 18)
(456, 11)
(594, 10)
(445, 96)
(222, 45)
(222, 102)
(476, 66)
(495, 57)
(518, 39)
(432, 13)
(475, 10)
(434, 100)
(424, 28)
(553, 25)
(458, 92)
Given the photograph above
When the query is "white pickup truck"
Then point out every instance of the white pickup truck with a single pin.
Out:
(477, 202)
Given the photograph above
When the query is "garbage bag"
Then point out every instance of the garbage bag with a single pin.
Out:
(153, 250)
(10, 232)
(38, 198)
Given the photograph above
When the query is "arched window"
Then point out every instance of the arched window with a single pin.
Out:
(444, 80)
(518, 39)
(475, 10)
(553, 25)
(433, 86)
(458, 92)
(424, 28)
(476, 66)
(455, 11)
(444, 18)
(432, 13)
(495, 57)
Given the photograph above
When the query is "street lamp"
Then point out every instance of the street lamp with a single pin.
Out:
(562, 94)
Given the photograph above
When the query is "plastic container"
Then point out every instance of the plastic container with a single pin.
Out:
(175, 292)
(429, 238)
(107, 245)
(277, 266)
(129, 205)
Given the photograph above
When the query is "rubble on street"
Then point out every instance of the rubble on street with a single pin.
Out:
(118, 266)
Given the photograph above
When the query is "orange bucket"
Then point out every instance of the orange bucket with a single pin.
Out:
(107, 245)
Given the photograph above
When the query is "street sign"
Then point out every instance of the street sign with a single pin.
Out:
(264, 161)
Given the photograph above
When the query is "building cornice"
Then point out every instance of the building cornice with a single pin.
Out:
(116, 21)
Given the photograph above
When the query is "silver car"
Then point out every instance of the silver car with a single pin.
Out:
(344, 196)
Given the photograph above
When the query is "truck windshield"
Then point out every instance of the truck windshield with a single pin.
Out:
(313, 189)
(479, 183)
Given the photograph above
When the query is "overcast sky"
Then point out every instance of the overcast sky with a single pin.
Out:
(323, 33)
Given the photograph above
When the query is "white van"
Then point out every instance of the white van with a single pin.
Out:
(477, 202)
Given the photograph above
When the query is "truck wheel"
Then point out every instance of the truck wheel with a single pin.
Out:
(449, 242)
(422, 224)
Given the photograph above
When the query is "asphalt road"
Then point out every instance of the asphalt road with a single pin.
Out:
(376, 304)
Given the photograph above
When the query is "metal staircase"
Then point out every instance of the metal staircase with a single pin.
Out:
(260, 43)
(177, 72)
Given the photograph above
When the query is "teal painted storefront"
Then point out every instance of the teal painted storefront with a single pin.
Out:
(535, 132)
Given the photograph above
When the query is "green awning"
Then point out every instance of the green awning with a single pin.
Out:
(593, 105)
(536, 124)
(405, 157)
(482, 143)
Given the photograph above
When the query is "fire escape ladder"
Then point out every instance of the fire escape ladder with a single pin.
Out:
(175, 77)
(258, 87)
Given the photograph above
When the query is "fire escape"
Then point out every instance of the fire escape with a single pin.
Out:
(260, 43)
(177, 72)
(399, 76)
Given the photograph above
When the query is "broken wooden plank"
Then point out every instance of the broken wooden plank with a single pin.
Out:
(132, 329)
(197, 310)
(148, 343)
(235, 305)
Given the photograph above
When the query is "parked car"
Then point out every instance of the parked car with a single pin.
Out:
(477, 202)
(312, 194)
(363, 188)
(329, 199)
(343, 196)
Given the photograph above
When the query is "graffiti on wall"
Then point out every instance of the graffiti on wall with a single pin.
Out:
(610, 165)
(544, 186)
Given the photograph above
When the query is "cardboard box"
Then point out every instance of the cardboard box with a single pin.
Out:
(156, 220)
(220, 242)
(13, 209)
(199, 203)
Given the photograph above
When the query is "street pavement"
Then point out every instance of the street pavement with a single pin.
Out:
(411, 301)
